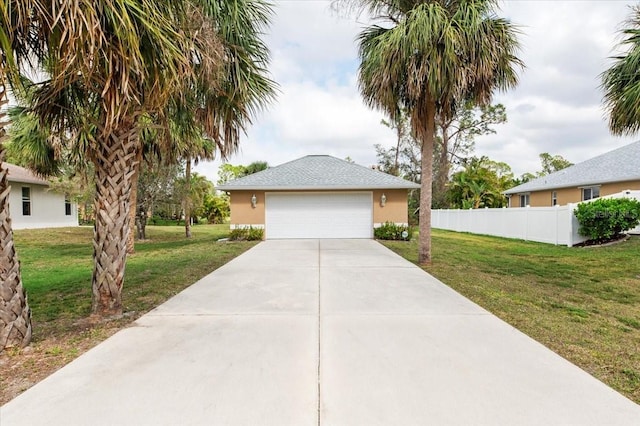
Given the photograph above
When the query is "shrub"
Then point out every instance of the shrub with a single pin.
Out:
(246, 234)
(606, 218)
(392, 231)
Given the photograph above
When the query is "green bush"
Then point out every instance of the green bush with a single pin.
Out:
(606, 218)
(246, 234)
(392, 231)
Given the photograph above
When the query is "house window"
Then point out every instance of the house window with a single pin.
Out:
(26, 201)
(67, 206)
(524, 200)
(590, 193)
(554, 198)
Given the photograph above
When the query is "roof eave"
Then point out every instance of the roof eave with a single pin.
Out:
(30, 182)
(312, 188)
(572, 185)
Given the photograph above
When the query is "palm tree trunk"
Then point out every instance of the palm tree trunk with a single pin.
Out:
(15, 315)
(131, 248)
(115, 163)
(187, 199)
(426, 129)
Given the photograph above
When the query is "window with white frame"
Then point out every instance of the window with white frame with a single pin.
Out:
(26, 201)
(524, 200)
(554, 198)
(590, 192)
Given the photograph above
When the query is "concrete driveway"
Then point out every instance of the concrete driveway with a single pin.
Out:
(329, 332)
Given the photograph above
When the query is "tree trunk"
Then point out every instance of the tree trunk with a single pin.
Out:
(141, 224)
(15, 315)
(187, 199)
(442, 177)
(115, 162)
(131, 248)
(399, 134)
(426, 127)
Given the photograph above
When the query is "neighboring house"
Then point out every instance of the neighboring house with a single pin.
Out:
(318, 196)
(33, 205)
(609, 173)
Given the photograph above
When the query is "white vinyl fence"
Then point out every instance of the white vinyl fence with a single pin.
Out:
(554, 225)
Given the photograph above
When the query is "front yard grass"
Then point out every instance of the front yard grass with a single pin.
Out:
(56, 271)
(583, 303)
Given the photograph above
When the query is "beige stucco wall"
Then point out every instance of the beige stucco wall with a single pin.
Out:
(394, 210)
(242, 213)
(572, 195)
(612, 188)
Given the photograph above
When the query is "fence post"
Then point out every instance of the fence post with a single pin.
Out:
(526, 222)
(570, 217)
(556, 223)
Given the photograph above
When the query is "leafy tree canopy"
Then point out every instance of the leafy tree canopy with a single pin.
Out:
(228, 172)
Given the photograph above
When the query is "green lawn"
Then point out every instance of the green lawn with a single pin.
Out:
(583, 303)
(57, 268)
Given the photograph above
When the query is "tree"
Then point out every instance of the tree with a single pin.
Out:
(111, 64)
(157, 184)
(203, 115)
(621, 82)
(549, 164)
(16, 21)
(480, 184)
(199, 188)
(228, 172)
(216, 208)
(456, 139)
(552, 163)
(390, 160)
(428, 57)
(255, 167)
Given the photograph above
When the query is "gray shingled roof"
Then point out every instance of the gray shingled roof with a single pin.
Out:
(315, 172)
(619, 165)
(22, 175)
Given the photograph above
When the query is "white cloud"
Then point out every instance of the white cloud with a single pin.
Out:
(556, 108)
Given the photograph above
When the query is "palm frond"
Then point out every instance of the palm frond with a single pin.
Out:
(621, 82)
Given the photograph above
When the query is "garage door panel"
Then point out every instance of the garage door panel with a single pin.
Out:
(314, 215)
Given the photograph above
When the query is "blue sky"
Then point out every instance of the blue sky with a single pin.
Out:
(556, 108)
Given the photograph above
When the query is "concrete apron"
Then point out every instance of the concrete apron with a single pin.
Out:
(329, 332)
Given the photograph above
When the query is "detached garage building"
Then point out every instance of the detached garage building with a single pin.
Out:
(318, 196)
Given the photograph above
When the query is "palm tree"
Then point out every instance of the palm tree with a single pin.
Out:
(193, 149)
(15, 315)
(220, 114)
(110, 64)
(621, 82)
(428, 57)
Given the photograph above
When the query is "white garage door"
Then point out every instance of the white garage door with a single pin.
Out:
(319, 215)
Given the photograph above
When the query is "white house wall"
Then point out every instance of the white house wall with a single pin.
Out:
(47, 208)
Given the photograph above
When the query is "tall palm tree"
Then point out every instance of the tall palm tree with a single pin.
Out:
(427, 56)
(15, 44)
(112, 62)
(621, 82)
(221, 114)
